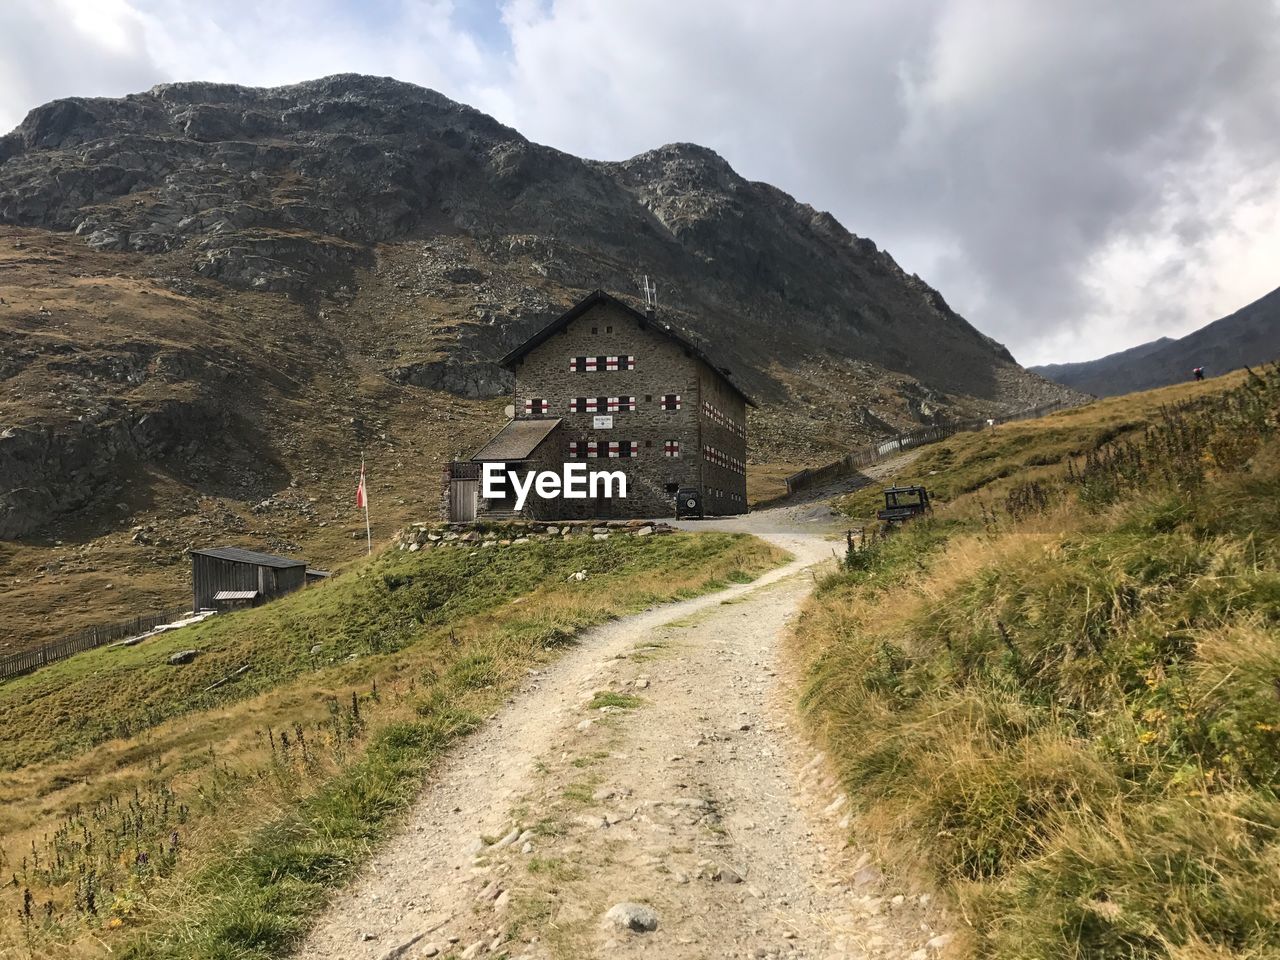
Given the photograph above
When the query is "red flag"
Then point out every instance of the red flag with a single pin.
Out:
(362, 498)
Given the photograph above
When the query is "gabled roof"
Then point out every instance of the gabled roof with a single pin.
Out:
(517, 440)
(249, 556)
(597, 297)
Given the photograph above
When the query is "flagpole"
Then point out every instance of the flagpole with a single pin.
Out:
(368, 534)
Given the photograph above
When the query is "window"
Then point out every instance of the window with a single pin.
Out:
(673, 488)
(671, 448)
(595, 329)
(612, 449)
(601, 404)
(720, 418)
(721, 459)
(608, 329)
(593, 364)
(536, 405)
(648, 398)
(671, 401)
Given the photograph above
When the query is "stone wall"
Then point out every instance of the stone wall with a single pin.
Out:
(724, 488)
(426, 536)
(662, 367)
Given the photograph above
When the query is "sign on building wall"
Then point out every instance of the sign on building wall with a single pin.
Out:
(602, 423)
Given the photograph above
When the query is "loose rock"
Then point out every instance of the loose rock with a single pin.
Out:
(632, 916)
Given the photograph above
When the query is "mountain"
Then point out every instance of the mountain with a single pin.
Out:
(1248, 337)
(215, 297)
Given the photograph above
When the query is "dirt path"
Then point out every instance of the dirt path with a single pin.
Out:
(655, 765)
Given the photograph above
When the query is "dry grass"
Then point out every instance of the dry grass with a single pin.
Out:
(103, 335)
(253, 793)
(987, 463)
(1062, 709)
(767, 481)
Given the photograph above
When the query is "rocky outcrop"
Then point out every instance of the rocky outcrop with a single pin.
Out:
(289, 189)
(454, 375)
(50, 470)
(361, 235)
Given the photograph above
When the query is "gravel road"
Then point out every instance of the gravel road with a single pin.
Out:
(648, 794)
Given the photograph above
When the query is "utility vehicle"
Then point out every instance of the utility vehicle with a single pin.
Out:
(903, 503)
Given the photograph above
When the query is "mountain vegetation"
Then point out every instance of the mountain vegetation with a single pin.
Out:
(1056, 697)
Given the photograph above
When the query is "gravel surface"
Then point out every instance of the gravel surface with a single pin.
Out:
(684, 816)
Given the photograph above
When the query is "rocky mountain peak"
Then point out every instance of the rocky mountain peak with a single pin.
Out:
(412, 241)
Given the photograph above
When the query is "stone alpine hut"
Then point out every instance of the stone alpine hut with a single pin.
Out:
(612, 387)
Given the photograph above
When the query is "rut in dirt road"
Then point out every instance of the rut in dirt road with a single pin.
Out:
(652, 767)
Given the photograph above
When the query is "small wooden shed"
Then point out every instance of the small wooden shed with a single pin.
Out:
(223, 578)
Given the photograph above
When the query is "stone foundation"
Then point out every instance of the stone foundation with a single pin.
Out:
(424, 536)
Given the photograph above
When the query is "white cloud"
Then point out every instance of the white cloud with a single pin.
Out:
(1074, 177)
(64, 48)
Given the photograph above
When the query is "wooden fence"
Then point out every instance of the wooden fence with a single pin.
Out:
(24, 661)
(883, 449)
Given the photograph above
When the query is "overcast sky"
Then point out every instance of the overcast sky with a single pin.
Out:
(1074, 177)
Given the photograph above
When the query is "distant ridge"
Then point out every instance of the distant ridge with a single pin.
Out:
(1248, 337)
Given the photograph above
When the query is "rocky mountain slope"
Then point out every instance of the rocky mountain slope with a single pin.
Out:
(213, 297)
(1248, 337)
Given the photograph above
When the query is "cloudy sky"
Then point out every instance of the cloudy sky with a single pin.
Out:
(1075, 177)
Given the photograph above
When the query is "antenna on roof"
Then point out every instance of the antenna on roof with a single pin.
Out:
(650, 296)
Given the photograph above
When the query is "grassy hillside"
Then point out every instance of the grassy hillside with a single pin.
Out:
(91, 342)
(148, 812)
(1059, 698)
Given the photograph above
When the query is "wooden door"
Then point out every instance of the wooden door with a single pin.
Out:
(462, 500)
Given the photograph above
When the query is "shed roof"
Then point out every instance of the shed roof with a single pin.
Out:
(598, 297)
(235, 594)
(517, 440)
(236, 555)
